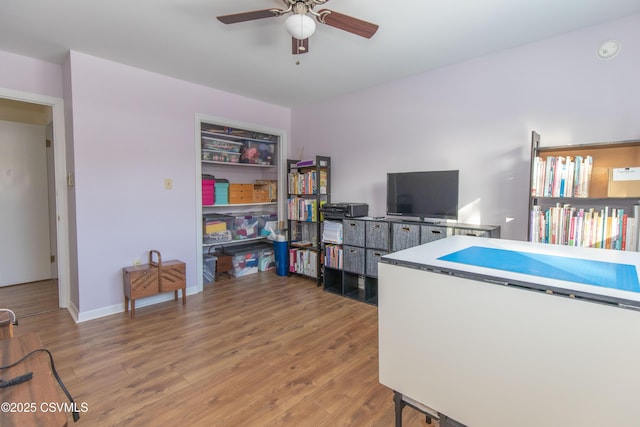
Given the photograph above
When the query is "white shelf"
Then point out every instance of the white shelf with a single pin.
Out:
(234, 242)
(251, 165)
(232, 205)
(228, 136)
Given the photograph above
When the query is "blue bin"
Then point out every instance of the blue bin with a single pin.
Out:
(281, 250)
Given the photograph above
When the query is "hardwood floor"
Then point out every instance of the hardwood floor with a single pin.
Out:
(261, 350)
(27, 299)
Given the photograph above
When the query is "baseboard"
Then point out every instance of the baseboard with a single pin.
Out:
(119, 308)
(73, 311)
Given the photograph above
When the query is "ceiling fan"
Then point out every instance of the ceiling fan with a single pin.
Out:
(301, 26)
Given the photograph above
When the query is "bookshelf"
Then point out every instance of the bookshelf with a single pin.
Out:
(585, 194)
(308, 189)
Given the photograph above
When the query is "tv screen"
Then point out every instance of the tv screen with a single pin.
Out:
(428, 194)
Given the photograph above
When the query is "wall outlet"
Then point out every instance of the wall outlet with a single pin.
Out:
(168, 184)
(137, 262)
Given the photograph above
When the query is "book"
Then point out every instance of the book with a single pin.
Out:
(303, 163)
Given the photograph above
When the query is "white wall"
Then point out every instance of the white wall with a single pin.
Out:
(131, 129)
(477, 116)
(21, 73)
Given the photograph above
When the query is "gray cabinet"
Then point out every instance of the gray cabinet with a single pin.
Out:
(471, 232)
(377, 234)
(354, 258)
(430, 233)
(377, 240)
(353, 231)
(366, 240)
(373, 256)
(404, 236)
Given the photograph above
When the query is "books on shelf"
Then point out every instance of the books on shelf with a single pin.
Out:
(309, 182)
(303, 261)
(301, 209)
(333, 256)
(608, 228)
(332, 237)
(561, 176)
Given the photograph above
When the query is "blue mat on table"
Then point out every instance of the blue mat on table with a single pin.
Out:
(599, 273)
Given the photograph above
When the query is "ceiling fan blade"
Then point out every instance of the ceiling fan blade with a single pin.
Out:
(247, 16)
(298, 47)
(347, 23)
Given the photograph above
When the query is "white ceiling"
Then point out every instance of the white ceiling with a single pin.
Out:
(182, 38)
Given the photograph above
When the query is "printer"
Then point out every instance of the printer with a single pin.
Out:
(344, 210)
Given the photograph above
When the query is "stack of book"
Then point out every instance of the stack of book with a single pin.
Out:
(561, 176)
(308, 182)
(333, 255)
(607, 228)
(303, 261)
(301, 209)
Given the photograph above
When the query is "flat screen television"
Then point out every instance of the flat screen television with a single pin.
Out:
(428, 194)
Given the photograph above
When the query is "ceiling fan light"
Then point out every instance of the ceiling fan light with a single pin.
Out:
(300, 26)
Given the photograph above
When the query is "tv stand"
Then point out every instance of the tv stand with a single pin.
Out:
(420, 219)
(408, 233)
(431, 221)
(367, 239)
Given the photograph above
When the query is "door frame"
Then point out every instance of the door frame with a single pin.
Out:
(60, 184)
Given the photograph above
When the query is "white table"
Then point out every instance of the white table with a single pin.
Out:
(489, 347)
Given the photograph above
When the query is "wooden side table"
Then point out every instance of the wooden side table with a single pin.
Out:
(139, 281)
(173, 278)
(153, 278)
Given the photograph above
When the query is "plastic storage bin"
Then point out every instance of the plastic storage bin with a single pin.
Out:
(209, 268)
(266, 260)
(221, 145)
(208, 193)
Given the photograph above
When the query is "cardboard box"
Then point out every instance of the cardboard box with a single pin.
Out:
(624, 182)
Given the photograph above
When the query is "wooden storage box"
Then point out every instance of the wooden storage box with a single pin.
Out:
(240, 193)
(224, 264)
(140, 281)
(270, 185)
(172, 275)
(261, 196)
(150, 279)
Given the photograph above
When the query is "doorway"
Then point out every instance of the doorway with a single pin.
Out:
(46, 287)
